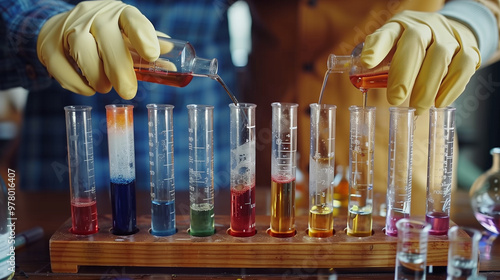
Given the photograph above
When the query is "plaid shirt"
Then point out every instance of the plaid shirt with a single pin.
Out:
(43, 161)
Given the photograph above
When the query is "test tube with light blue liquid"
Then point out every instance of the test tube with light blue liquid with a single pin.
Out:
(201, 183)
(81, 170)
(161, 168)
(120, 124)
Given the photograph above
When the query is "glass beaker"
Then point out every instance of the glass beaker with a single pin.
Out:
(81, 169)
(201, 170)
(439, 168)
(243, 153)
(161, 168)
(463, 253)
(120, 125)
(283, 169)
(411, 255)
(398, 198)
(321, 170)
(361, 154)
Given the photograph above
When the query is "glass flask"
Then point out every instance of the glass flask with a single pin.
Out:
(485, 196)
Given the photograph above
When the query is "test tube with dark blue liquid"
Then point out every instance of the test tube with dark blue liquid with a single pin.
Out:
(120, 123)
(161, 168)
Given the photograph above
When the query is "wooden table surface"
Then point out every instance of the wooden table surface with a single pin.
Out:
(51, 210)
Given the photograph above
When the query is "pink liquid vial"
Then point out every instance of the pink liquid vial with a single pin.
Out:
(440, 223)
(84, 217)
(81, 169)
(243, 211)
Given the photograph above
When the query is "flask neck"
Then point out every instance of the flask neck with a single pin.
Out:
(496, 159)
(203, 67)
(339, 63)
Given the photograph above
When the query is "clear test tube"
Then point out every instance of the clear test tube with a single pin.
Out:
(161, 168)
(321, 170)
(463, 253)
(201, 183)
(411, 254)
(243, 153)
(283, 169)
(439, 168)
(81, 169)
(120, 124)
(361, 151)
(398, 198)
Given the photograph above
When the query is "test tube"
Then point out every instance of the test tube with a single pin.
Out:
(411, 255)
(463, 253)
(439, 168)
(361, 149)
(398, 198)
(321, 170)
(120, 124)
(242, 139)
(81, 169)
(161, 169)
(201, 183)
(283, 169)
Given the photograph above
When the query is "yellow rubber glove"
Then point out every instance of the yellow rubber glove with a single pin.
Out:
(433, 61)
(92, 36)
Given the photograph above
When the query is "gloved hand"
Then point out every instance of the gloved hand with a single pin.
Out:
(433, 61)
(95, 35)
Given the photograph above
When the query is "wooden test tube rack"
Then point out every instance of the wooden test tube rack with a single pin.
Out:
(68, 251)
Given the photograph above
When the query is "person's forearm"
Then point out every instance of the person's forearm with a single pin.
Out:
(22, 20)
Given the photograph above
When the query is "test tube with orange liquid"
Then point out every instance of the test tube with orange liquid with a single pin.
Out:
(283, 169)
(321, 170)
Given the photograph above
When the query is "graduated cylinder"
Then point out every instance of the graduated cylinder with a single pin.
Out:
(201, 170)
(242, 139)
(361, 150)
(283, 169)
(321, 170)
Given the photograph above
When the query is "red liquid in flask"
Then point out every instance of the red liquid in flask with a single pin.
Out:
(243, 211)
(165, 78)
(368, 81)
(84, 216)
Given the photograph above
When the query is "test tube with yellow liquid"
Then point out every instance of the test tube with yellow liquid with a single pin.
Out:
(321, 170)
(283, 169)
(361, 150)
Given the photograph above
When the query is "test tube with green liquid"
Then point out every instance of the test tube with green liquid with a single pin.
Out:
(201, 183)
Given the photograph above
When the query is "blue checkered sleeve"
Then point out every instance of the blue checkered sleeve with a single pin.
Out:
(20, 25)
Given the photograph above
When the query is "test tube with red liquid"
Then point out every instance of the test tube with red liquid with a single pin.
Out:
(242, 139)
(283, 169)
(399, 174)
(321, 170)
(440, 168)
(81, 170)
(120, 125)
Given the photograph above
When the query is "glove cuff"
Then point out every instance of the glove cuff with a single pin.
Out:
(479, 19)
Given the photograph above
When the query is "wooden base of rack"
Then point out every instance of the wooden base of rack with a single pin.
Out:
(68, 251)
